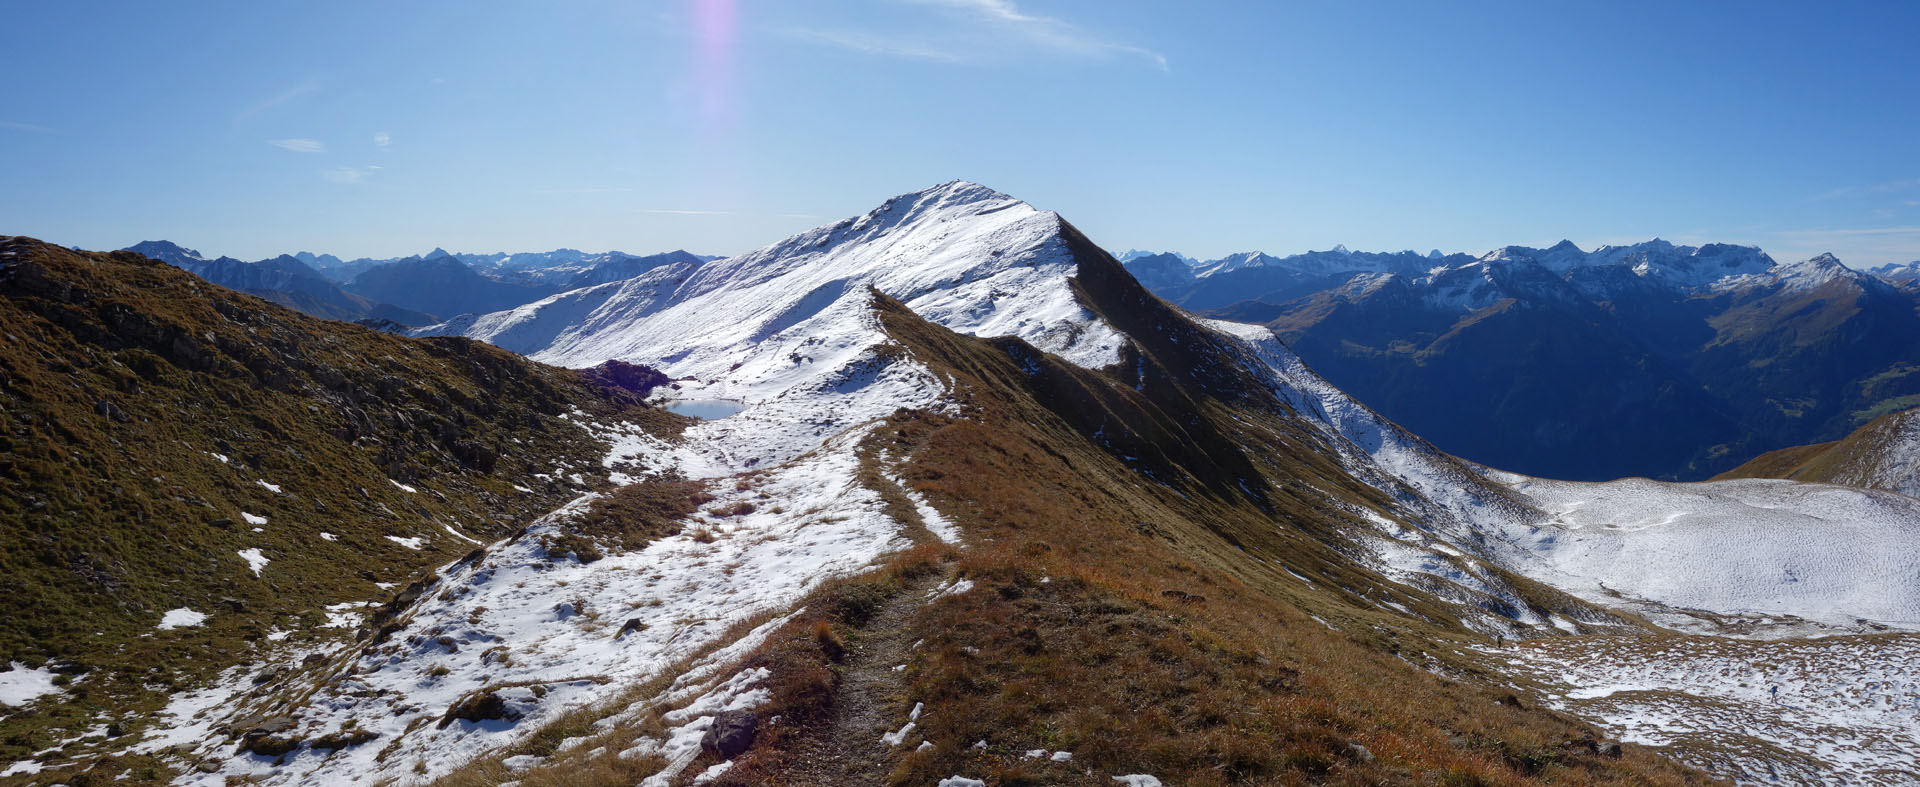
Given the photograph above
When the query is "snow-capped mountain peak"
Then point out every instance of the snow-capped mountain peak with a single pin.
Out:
(791, 321)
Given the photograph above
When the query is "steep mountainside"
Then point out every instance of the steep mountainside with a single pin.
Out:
(1652, 359)
(1884, 454)
(190, 473)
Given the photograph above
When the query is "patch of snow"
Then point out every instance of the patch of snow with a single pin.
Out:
(403, 487)
(274, 488)
(410, 542)
(898, 736)
(21, 684)
(255, 560)
(181, 618)
(252, 519)
(960, 781)
(326, 536)
(1137, 780)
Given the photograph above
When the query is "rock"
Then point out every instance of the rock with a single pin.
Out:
(731, 735)
(270, 745)
(223, 524)
(267, 725)
(1360, 752)
(335, 741)
(632, 625)
(1608, 749)
(486, 706)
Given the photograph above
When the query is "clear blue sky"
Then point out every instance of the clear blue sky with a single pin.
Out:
(383, 129)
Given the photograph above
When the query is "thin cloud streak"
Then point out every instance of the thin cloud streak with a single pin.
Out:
(26, 127)
(1043, 31)
(382, 139)
(295, 92)
(870, 44)
(1887, 187)
(299, 145)
(584, 190)
(1859, 247)
(1001, 26)
(674, 212)
(345, 174)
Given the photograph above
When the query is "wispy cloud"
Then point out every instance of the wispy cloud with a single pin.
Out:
(8, 124)
(1859, 247)
(290, 94)
(382, 139)
(347, 174)
(994, 29)
(583, 190)
(678, 212)
(1886, 187)
(873, 44)
(1043, 31)
(299, 145)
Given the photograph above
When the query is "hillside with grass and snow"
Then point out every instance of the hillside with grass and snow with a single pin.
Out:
(970, 503)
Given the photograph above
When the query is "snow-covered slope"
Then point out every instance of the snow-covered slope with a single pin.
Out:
(1738, 551)
(791, 321)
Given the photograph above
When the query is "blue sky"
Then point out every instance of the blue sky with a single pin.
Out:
(383, 129)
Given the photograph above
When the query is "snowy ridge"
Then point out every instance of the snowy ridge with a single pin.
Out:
(788, 329)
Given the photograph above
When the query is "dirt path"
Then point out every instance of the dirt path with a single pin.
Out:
(871, 702)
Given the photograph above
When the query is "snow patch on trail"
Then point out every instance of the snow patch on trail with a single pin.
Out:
(584, 631)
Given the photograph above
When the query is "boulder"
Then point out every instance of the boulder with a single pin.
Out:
(731, 735)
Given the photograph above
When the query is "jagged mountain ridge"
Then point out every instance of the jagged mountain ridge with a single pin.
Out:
(1651, 359)
(413, 290)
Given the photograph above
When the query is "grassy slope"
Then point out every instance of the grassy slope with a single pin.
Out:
(1839, 462)
(120, 377)
(1131, 600)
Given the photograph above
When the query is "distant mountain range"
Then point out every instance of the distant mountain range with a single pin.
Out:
(1652, 359)
(415, 290)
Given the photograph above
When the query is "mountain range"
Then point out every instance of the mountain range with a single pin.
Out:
(1651, 359)
(415, 290)
(980, 508)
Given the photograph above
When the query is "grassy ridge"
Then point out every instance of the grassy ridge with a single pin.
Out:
(146, 415)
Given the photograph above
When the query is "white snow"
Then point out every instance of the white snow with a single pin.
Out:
(1828, 554)
(274, 488)
(1842, 709)
(252, 519)
(255, 560)
(326, 536)
(21, 684)
(410, 542)
(1137, 780)
(402, 487)
(960, 781)
(181, 618)
(898, 736)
